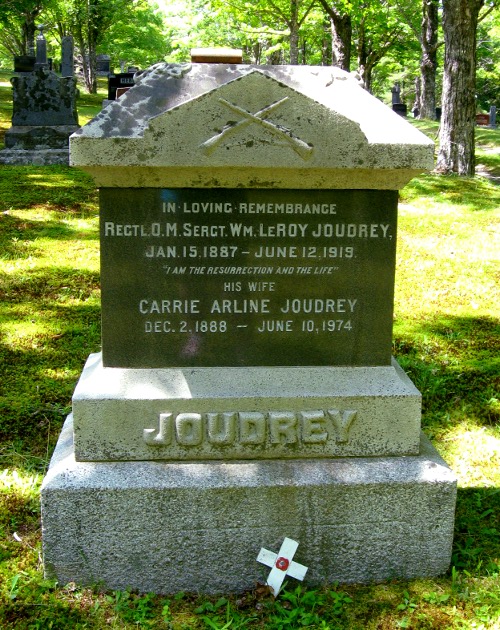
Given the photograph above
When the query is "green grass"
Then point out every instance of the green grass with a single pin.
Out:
(446, 336)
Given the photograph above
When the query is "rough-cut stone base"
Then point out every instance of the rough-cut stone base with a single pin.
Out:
(169, 527)
(42, 157)
(38, 137)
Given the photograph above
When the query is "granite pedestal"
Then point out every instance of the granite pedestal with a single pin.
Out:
(198, 527)
(251, 413)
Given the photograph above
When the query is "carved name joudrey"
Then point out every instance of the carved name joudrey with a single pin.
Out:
(251, 428)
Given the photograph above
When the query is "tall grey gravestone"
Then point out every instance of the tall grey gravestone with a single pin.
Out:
(44, 114)
(67, 56)
(246, 391)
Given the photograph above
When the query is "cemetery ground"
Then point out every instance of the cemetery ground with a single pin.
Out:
(446, 337)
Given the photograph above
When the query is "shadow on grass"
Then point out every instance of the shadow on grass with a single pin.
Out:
(54, 284)
(476, 546)
(39, 372)
(455, 363)
(59, 187)
(18, 235)
(477, 193)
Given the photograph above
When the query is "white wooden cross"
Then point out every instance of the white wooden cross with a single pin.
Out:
(282, 564)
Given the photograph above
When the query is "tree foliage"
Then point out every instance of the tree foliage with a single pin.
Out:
(488, 61)
(426, 101)
(385, 41)
(270, 31)
(132, 31)
(88, 21)
(138, 40)
(18, 23)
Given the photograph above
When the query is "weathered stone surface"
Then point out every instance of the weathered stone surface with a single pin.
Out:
(220, 125)
(41, 98)
(170, 527)
(39, 138)
(42, 157)
(43, 118)
(224, 413)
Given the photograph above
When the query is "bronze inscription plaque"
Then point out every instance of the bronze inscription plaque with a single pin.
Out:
(230, 277)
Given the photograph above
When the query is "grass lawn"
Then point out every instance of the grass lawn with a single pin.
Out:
(446, 336)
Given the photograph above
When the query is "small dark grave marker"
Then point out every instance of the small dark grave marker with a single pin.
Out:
(121, 80)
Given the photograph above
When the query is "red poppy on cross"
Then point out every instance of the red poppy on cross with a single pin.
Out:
(282, 564)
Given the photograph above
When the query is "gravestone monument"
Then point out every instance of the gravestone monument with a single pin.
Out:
(67, 56)
(24, 63)
(123, 80)
(44, 115)
(396, 94)
(397, 106)
(246, 392)
(103, 68)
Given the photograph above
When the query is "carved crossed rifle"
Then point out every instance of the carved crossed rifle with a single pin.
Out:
(299, 146)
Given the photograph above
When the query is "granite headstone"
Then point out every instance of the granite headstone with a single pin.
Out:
(121, 80)
(493, 117)
(24, 63)
(103, 65)
(248, 234)
(44, 115)
(67, 56)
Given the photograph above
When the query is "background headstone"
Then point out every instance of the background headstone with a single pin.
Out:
(123, 80)
(103, 67)
(400, 108)
(44, 114)
(24, 63)
(41, 50)
(67, 56)
(493, 116)
(396, 94)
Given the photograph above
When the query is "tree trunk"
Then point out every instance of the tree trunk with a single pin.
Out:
(91, 77)
(366, 61)
(341, 41)
(89, 61)
(428, 61)
(294, 32)
(294, 47)
(341, 28)
(326, 44)
(417, 105)
(28, 30)
(456, 138)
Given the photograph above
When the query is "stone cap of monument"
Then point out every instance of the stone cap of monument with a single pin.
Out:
(221, 125)
(217, 55)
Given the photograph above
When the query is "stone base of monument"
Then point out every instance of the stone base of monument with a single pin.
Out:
(38, 145)
(258, 413)
(37, 137)
(166, 527)
(41, 157)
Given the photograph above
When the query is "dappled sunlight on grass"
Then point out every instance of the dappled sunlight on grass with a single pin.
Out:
(53, 179)
(22, 483)
(452, 193)
(473, 453)
(457, 252)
